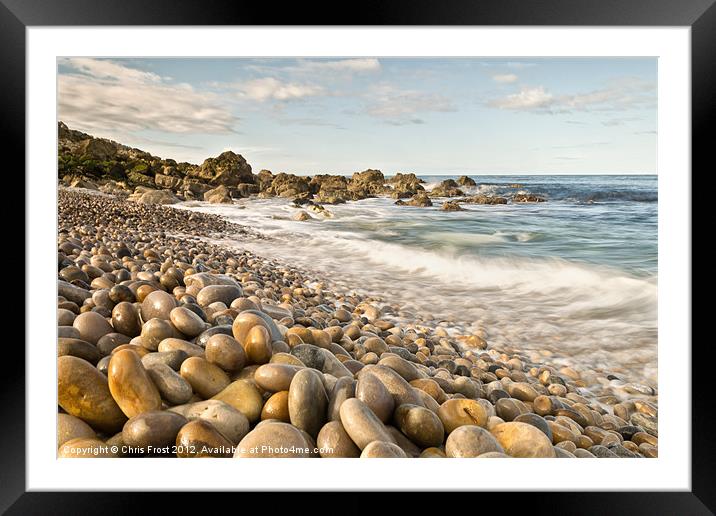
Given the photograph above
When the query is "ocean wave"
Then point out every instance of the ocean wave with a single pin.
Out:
(583, 290)
(510, 274)
(465, 239)
(618, 195)
(470, 239)
(563, 191)
(584, 313)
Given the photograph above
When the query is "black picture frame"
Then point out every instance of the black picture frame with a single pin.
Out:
(700, 15)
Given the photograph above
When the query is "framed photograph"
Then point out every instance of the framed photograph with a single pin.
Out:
(435, 234)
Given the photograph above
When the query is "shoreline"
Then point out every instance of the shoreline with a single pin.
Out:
(421, 369)
(449, 286)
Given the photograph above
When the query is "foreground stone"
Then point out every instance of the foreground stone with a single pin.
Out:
(167, 340)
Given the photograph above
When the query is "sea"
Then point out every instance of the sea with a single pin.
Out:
(573, 278)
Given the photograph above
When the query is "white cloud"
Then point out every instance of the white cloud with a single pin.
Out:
(619, 95)
(399, 107)
(505, 77)
(269, 88)
(106, 69)
(513, 65)
(100, 95)
(526, 99)
(352, 65)
(317, 65)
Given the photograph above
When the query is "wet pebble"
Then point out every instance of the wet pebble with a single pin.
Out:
(198, 439)
(153, 431)
(307, 401)
(471, 441)
(523, 440)
(83, 391)
(130, 384)
(361, 424)
(382, 450)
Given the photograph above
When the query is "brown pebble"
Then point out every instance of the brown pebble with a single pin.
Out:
(205, 378)
(382, 450)
(334, 442)
(83, 392)
(198, 439)
(257, 345)
(276, 407)
(226, 352)
(130, 384)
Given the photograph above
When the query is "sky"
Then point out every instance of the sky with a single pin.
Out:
(431, 116)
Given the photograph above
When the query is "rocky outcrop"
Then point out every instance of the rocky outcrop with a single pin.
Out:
(401, 177)
(329, 189)
(102, 161)
(138, 178)
(247, 189)
(405, 185)
(368, 177)
(485, 199)
(301, 216)
(288, 185)
(318, 210)
(78, 182)
(118, 188)
(447, 188)
(328, 182)
(420, 200)
(219, 195)
(99, 158)
(401, 194)
(451, 206)
(147, 196)
(527, 197)
(97, 149)
(264, 179)
(194, 189)
(368, 183)
(88, 162)
(228, 169)
(167, 181)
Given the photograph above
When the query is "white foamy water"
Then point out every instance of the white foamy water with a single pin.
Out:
(488, 268)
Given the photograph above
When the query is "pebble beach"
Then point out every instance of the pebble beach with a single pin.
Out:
(172, 343)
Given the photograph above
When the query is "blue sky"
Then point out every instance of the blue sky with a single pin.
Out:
(431, 116)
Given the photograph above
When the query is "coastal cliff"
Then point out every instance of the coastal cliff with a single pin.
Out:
(97, 163)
